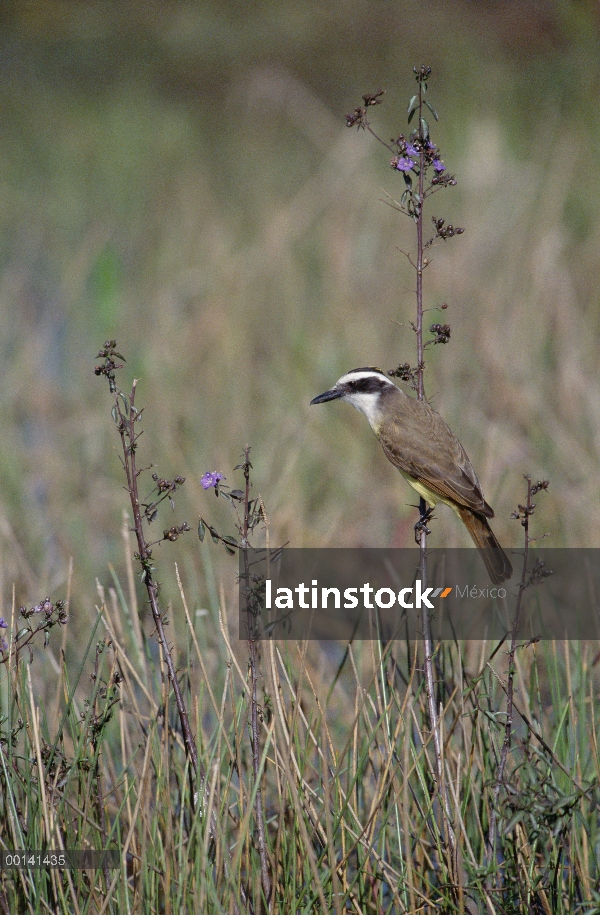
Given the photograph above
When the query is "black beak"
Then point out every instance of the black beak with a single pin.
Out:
(328, 395)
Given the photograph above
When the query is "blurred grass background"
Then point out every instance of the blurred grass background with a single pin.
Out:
(179, 176)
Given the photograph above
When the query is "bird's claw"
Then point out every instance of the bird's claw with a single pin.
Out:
(421, 525)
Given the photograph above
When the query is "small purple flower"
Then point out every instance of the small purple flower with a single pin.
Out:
(405, 164)
(3, 645)
(3, 623)
(429, 145)
(211, 479)
(44, 606)
(412, 150)
(439, 165)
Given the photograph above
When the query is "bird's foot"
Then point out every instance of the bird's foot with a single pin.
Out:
(421, 525)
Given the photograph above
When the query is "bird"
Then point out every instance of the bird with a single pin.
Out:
(417, 441)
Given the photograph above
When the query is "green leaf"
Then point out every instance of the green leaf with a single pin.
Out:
(412, 105)
(516, 818)
(201, 530)
(236, 494)
(424, 129)
(407, 179)
(433, 111)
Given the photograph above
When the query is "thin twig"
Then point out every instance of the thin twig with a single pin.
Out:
(126, 415)
(98, 769)
(127, 432)
(524, 513)
(447, 830)
(253, 657)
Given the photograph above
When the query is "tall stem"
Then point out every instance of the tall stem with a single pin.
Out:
(129, 437)
(493, 828)
(258, 807)
(420, 366)
(128, 441)
(434, 723)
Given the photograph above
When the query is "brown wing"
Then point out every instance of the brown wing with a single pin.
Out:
(418, 441)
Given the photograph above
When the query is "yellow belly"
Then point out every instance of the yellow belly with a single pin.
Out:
(430, 497)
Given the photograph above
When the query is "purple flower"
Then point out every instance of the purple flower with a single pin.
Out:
(404, 164)
(429, 145)
(211, 479)
(45, 606)
(412, 150)
(3, 623)
(3, 645)
(439, 165)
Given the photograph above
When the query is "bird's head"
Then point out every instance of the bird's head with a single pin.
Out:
(363, 388)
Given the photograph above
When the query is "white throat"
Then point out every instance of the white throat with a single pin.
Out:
(367, 404)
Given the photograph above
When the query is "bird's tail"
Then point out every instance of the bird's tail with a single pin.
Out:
(496, 561)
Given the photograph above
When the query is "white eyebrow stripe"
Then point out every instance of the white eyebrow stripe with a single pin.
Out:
(356, 376)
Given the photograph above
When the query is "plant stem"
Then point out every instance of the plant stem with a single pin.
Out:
(129, 441)
(98, 772)
(420, 366)
(493, 829)
(253, 659)
(125, 415)
(434, 723)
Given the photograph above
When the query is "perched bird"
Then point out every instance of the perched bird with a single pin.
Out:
(426, 452)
